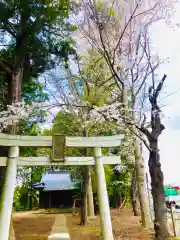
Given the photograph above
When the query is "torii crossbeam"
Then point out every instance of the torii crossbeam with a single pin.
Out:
(58, 143)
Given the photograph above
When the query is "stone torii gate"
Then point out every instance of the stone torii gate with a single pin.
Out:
(58, 144)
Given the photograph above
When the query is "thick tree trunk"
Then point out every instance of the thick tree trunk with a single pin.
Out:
(134, 198)
(134, 195)
(30, 198)
(118, 199)
(84, 196)
(30, 191)
(157, 179)
(139, 164)
(14, 90)
(140, 178)
(90, 203)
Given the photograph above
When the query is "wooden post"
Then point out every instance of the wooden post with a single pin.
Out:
(105, 218)
(173, 220)
(6, 202)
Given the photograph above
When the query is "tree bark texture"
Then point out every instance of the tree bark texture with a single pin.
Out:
(30, 191)
(140, 178)
(160, 223)
(139, 165)
(134, 195)
(84, 194)
(157, 178)
(118, 199)
(14, 86)
(90, 203)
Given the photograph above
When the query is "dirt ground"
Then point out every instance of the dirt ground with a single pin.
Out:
(32, 226)
(125, 227)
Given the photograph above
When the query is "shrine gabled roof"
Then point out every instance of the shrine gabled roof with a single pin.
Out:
(56, 181)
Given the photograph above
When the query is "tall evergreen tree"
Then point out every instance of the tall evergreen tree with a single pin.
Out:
(34, 38)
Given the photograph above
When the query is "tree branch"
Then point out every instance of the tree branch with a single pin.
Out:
(159, 87)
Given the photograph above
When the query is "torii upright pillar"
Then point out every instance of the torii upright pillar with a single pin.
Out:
(106, 225)
(6, 202)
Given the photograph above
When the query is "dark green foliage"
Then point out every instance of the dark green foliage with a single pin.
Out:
(25, 196)
(35, 36)
(67, 124)
(34, 31)
(34, 92)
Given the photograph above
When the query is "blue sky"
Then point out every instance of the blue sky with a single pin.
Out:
(167, 43)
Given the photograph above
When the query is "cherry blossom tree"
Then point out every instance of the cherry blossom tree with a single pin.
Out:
(121, 35)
